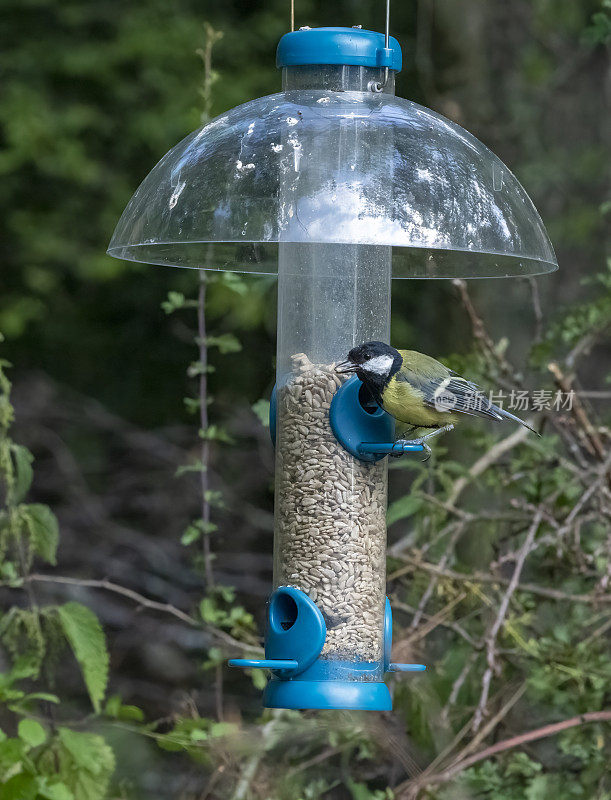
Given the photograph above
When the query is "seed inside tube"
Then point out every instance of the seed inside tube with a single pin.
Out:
(330, 517)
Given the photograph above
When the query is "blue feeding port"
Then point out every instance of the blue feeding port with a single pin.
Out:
(364, 429)
(301, 676)
(358, 423)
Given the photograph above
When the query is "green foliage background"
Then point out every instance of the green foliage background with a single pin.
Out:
(93, 94)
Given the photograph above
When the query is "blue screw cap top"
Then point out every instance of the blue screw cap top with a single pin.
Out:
(349, 46)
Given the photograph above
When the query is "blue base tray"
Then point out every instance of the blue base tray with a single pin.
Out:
(330, 684)
(301, 679)
(352, 695)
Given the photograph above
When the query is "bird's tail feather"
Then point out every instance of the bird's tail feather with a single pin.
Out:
(507, 415)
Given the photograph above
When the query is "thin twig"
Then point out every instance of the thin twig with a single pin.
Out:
(448, 552)
(433, 620)
(571, 516)
(446, 623)
(487, 460)
(145, 602)
(211, 37)
(483, 577)
(490, 639)
(492, 723)
(249, 770)
(481, 335)
(457, 685)
(516, 741)
(538, 313)
(203, 420)
(564, 383)
(442, 758)
(585, 344)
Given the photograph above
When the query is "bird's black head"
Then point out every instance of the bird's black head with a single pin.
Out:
(374, 363)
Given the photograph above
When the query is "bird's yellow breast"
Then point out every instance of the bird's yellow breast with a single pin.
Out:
(406, 403)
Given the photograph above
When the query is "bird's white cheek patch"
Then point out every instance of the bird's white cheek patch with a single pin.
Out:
(380, 365)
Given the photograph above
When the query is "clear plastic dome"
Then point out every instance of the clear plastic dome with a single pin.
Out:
(225, 196)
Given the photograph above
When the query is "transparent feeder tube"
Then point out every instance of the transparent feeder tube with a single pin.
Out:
(330, 508)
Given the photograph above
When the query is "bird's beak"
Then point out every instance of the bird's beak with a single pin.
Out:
(345, 367)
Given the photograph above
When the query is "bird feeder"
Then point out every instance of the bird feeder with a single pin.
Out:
(336, 185)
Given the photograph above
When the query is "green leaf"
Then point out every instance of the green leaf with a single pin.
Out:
(12, 753)
(192, 404)
(599, 32)
(403, 507)
(208, 527)
(44, 530)
(259, 678)
(235, 282)
(31, 732)
(9, 574)
(23, 667)
(218, 729)
(195, 530)
(216, 656)
(115, 708)
(261, 409)
(214, 498)
(197, 466)
(209, 611)
(191, 534)
(20, 787)
(215, 433)
(226, 593)
(86, 637)
(539, 789)
(22, 459)
(86, 764)
(175, 301)
(44, 696)
(196, 368)
(54, 791)
(84, 748)
(226, 343)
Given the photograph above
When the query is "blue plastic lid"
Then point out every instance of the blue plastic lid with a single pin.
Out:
(350, 46)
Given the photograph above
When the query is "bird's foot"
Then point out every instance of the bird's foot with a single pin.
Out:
(445, 429)
(422, 440)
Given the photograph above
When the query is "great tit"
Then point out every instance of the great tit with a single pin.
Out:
(417, 390)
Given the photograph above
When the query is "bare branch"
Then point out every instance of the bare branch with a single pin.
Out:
(487, 460)
(457, 685)
(564, 383)
(536, 303)
(508, 744)
(446, 623)
(491, 654)
(483, 577)
(145, 602)
(448, 552)
(481, 335)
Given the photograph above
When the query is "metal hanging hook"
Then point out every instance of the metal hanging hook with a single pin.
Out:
(377, 86)
(387, 32)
